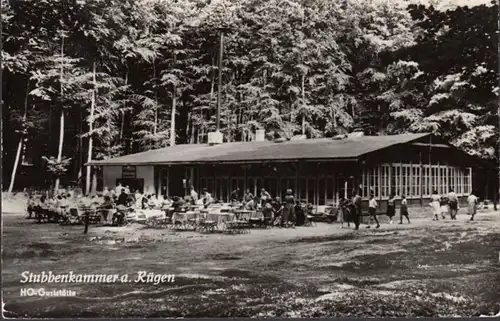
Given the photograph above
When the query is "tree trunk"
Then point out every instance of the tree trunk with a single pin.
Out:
(91, 123)
(156, 100)
(60, 150)
(172, 116)
(20, 145)
(61, 124)
(122, 127)
(303, 103)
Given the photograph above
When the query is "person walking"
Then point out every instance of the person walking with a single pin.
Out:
(403, 211)
(444, 207)
(435, 205)
(391, 207)
(372, 209)
(356, 212)
(453, 203)
(472, 205)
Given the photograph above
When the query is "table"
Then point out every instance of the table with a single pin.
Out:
(143, 215)
(220, 218)
(185, 219)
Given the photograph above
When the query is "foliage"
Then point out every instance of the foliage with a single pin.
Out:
(290, 67)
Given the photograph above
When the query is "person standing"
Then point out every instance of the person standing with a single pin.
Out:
(453, 203)
(342, 209)
(435, 205)
(207, 198)
(123, 198)
(403, 211)
(444, 207)
(289, 210)
(391, 207)
(264, 196)
(235, 195)
(372, 209)
(277, 209)
(248, 200)
(356, 209)
(118, 189)
(472, 204)
(193, 196)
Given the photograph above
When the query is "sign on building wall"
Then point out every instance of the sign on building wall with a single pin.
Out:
(129, 172)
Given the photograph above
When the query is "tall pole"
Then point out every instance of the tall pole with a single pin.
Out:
(219, 86)
(498, 111)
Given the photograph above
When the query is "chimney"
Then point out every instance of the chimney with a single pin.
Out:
(260, 135)
(215, 138)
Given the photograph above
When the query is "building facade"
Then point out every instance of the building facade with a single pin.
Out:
(318, 171)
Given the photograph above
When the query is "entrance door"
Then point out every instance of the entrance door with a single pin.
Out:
(175, 184)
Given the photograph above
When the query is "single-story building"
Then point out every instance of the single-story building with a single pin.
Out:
(319, 171)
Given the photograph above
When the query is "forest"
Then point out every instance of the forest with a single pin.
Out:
(92, 79)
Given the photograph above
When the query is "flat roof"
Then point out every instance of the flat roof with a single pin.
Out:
(264, 151)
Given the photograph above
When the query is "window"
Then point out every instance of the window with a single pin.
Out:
(385, 180)
(467, 181)
(396, 172)
(374, 188)
(415, 180)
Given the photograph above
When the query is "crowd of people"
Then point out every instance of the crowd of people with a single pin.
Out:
(286, 212)
(350, 210)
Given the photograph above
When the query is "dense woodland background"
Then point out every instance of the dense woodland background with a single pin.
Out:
(122, 76)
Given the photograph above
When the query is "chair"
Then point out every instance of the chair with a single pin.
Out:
(237, 227)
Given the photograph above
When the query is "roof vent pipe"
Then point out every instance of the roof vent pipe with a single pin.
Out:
(260, 135)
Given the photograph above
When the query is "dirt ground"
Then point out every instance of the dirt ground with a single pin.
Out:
(445, 268)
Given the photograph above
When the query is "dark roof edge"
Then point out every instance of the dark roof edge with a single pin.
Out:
(400, 143)
(332, 159)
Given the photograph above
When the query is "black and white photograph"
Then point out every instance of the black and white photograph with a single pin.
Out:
(250, 158)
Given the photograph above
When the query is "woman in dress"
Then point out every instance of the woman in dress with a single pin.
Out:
(391, 207)
(472, 204)
(341, 212)
(435, 205)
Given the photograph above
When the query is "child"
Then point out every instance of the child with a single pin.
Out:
(403, 211)
(391, 207)
(444, 206)
(372, 207)
(472, 203)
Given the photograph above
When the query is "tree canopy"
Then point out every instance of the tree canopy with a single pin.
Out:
(315, 67)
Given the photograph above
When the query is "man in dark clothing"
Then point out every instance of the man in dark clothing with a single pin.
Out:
(277, 210)
(356, 215)
(235, 195)
(122, 199)
(289, 211)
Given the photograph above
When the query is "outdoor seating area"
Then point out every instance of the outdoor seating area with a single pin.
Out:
(228, 218)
